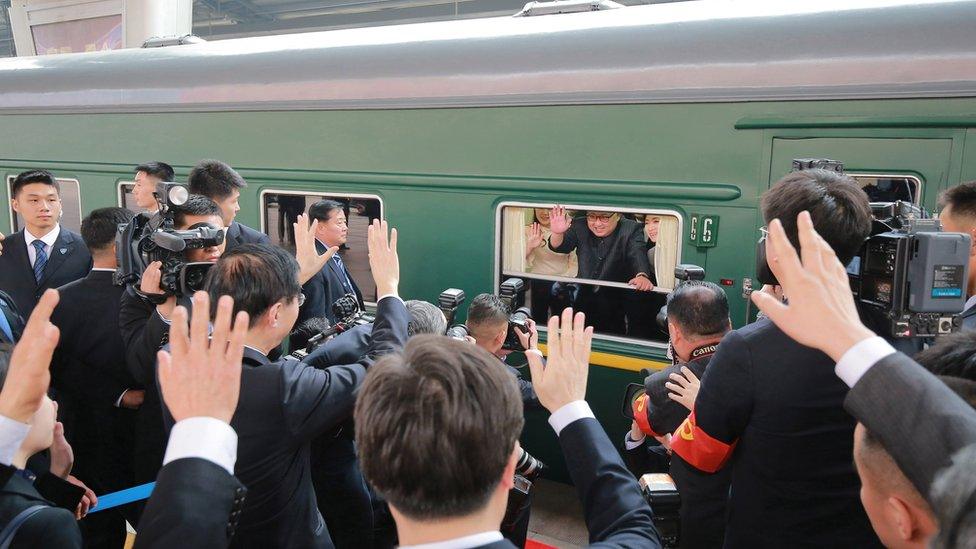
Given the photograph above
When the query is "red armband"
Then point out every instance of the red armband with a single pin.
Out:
(640, 416)
(699, 448)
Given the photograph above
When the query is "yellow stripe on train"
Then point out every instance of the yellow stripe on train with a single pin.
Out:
(621, 362)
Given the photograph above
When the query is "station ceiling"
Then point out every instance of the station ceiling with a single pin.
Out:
(222, 19)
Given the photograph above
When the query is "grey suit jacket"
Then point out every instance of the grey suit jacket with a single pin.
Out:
(969, 318)
(917, 417)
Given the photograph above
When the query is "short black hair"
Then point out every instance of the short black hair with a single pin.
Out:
(322, 210)
(215, 179)
(699, 308)
(962, 199)
(952, 355)
(34, 176)
(160, 170)
(487, 309)
(837, 205)
(256, 275)
(195, 205)
(98, 230)
(425, 318)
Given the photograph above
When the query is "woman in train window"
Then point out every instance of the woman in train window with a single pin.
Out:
(548, 297)
(642, 308)
(608, 247)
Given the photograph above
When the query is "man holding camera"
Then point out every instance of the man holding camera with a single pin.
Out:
(285, 404)
(771, 409)
(144, 322)
(958, 215)
(488, 323)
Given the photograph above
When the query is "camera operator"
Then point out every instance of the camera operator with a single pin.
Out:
(285, 404)
(771, 409)
(144, 325)
(488, 323)
(958, 215)
(148, 176)
(698, 319)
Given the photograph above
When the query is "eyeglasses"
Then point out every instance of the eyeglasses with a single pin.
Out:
(599, 217)
(301, 299)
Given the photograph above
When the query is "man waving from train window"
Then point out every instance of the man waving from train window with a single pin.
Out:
(772, 409)
(608, 247)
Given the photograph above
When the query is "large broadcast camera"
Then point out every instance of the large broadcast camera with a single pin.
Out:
(348, 315)
(909, 275)
(149, 238)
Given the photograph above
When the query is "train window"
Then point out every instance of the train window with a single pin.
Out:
(601, 254)
(889, 188)
(281, 208)
(126, 200)
(70, 205)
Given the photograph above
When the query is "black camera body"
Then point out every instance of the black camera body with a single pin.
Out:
(662, 495)
(347, 314)
(448, 302)
(152, 238)
(682, 273)
(512, 292)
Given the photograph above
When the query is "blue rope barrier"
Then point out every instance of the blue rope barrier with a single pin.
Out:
(123, 497)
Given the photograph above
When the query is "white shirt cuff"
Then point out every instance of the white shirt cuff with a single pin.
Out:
(118, 401)
(631, 444)
(860, 358)
(205, 438)
(12, 435)
(394, 296)
(569, 413)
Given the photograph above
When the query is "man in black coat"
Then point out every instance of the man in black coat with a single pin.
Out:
(11, 323)
(222, 184)
(43, 254)
(452, 475)
(609, 247)
(334, 280)
(772, 409)
(98, 397)
(284, 405)
(698, 318)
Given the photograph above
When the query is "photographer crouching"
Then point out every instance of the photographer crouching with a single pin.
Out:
(697, 319)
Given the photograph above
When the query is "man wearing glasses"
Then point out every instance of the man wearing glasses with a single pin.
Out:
(609, 248)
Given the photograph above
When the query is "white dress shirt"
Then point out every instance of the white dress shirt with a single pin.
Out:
(12, 435)
(205, 438)
(860, 358)
(47, 239)
(474, 540)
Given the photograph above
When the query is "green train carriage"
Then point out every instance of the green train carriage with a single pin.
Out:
(687, 110)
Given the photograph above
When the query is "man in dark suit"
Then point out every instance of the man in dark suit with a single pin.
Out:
(286, 404)
(448, 482)
(608, 247)
(698, 318)
(43, 254)
(333, 281)
(144, 325)
(771, 409)
(11, 323)
(958, 215)
(220, 183)
(147, 176)
(97, 395)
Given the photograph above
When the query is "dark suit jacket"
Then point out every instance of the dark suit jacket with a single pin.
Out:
(196, 503)
(69, 260)
(89, 372)
(321, 291)
(776, 408)
(238, 234)
(615, 511)
(9, 310)
(344, 348)
(51, 527)
(283, 406)
(617, 257)
(917, 417)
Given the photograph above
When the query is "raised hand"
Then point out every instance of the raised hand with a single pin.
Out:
(683, 387)
(29, 375)
(817, 288)
(383, 259)
(62, 456)
(559, 222)
(563, 378)
(201, 376)
(533, 238)
(309, 259)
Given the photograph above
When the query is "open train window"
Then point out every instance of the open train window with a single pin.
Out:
(890, 188)
(279, 209)
(602, 252)
(70, 205)
(126, 200)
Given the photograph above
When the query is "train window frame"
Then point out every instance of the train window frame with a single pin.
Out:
(499, 272)
(61, 181)
(120, 194)
(919, 183)
(311, 192)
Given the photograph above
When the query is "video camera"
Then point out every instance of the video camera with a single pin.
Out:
(512, 292)
(908, 273)
(347, 313)
(153, 238)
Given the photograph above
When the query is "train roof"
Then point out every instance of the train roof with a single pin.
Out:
(704, 51)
